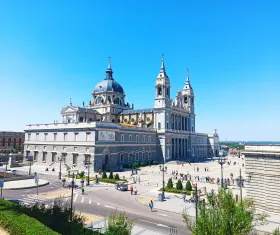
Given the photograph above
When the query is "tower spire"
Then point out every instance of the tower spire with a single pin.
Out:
(109, 71)
(162, 72)
(188, 77)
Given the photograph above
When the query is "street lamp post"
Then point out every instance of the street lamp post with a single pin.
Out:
(222, 162)
(163, 183)
(72, 192)
(59, 174)
(30, 159)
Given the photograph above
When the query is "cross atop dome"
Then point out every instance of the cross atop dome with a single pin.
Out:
(109, 71)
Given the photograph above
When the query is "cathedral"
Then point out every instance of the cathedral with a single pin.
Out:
(109, 133)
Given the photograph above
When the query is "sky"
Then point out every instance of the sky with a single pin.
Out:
(51, 51)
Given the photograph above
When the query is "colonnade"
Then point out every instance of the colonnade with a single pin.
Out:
(181, 148)
(180, 122)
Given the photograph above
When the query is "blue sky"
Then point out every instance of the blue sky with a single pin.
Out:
(53, 50)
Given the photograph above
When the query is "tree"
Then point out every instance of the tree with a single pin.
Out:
(170, 183)
(179, 185)
(224, 216)
(111, 175)
(118, 224)
(104, 175)
(276, 231)
(117, 177)
(188, 186)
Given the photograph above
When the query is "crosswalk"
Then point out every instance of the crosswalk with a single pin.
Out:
(32, 199)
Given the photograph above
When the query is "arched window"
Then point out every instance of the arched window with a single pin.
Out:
(117, 101)
(185, 99)
(159, 90)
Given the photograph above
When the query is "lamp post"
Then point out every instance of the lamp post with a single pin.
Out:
(30, 159)
(240, 182)
(72, 192)
(222, 161)
(163, 171)
(59, 174)
(87, 162)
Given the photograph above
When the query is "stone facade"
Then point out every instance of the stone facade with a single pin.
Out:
(163, 133)
(263, 171)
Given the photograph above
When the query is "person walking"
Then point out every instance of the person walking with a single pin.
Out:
(83, 189)
(135, 191)
(151, 205)
(131, 189)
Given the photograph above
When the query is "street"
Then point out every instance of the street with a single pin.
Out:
(103, 200)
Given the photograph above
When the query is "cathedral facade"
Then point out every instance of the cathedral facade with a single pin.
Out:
(109, 133)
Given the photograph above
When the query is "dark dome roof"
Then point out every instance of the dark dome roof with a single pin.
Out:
(108, 85)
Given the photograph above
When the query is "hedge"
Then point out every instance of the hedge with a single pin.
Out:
(15, 222)
(174, 190)
(111, 181)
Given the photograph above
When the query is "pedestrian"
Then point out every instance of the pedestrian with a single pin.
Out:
(205, 169)
(83, 189)
(131, 189)
(184, 196)
(135, 191)
(139, 179)
(151, 205)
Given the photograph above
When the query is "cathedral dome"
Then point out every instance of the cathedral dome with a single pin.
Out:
(108, 84)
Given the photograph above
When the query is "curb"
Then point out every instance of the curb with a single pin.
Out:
(41, 185)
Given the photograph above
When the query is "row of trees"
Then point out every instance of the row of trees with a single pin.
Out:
(179, 185)
(223, 215)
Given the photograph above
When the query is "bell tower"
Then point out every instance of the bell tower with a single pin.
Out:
(162, 96)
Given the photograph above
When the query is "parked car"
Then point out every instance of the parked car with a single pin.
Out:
(121, 186)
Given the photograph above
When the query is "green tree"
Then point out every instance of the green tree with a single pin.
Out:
(188, 186)
(179, 185)
(170, 183)
(224, 216)
(111, 175)
(117, 177)
(104, 175)
(276, 231)
(118, 224)
(82, 174)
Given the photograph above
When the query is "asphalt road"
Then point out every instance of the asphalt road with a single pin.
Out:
(104, 200)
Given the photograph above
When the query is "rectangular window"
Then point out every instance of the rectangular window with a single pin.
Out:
(75, 156)
(136, 157)
(44, 156)
(45, 136)
(149, 156)
(28, 137)
(37, 136)
(167, 125)
(143, 156)
(87, 136)
(143, 138)
(150, 139)
(122, 137)
(35, 156)
(54, 136)
(129, 157)
(76, 137)
(121, 158)
(75, 149)
(65, 136)
(159, 125)
(137, 138)
(130, 138)
(87, 160)
(53, 157)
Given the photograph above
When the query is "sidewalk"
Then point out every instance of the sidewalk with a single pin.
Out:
(24, 184)
(174, 203)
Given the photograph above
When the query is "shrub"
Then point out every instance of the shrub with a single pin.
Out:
(174, 190)
(170, 183)
(188, 186)
(111, 175)
(117, 177)
(82, 174)
(16, 222)
(104, 175)
(179, 185)
(136, 164)
(143, 164)
(118, 224)
(154, 162)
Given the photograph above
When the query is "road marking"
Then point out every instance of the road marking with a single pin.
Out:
(76, 196)
(162, 214)
(98, 203)
(160, 225)
(109, 207)
(83, 198)
(89, 201)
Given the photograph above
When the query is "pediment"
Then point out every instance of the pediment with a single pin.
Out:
(69, 110)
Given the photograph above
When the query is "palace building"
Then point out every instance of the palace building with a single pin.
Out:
(110, 133)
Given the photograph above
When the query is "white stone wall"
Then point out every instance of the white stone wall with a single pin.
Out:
(263, 172)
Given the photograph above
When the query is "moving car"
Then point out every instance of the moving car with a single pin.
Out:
(121, 186)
